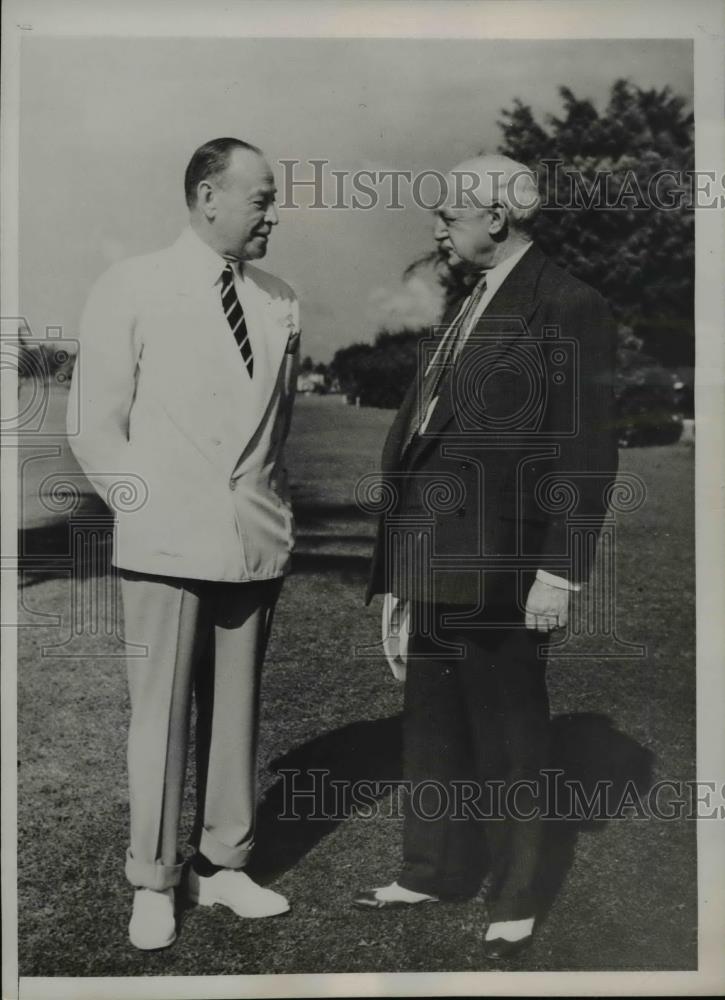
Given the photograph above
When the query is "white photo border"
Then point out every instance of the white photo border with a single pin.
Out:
(703, 21)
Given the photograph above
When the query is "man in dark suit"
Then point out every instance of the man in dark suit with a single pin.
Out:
(496, 473)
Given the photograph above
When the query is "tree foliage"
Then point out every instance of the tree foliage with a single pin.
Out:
(617, 194)
(607, 180)
(378, 374)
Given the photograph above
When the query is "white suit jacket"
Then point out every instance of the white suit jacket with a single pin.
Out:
(174, 435)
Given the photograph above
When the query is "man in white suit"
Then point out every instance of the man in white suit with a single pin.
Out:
(185, 381)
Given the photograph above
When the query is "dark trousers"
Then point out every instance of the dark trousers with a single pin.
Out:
(476, 728)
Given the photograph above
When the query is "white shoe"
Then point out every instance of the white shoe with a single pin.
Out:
(152, 920)
(236, 890)
(510, 930)
(389, 896)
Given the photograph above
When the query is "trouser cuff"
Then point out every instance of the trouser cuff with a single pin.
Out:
(444, 888)
(518, 907)
(151, 874)
(222, 854)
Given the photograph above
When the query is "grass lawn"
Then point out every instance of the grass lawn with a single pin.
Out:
(627, 889)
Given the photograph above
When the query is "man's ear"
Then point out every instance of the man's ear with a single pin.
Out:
(206, 199)
(498, 219)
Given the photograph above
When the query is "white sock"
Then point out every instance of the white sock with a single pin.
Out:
(395, 893)
(510, 930)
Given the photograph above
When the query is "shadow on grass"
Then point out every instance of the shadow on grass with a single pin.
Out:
(311, 515)
(369, 751)
(83, 543)
(586, 748)
(592, 755)
(79, 545)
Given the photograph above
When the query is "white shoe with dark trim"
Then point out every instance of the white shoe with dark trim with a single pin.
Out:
(392, 895)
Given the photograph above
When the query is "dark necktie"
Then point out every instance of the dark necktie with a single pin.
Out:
(235, 317)
(443, 361)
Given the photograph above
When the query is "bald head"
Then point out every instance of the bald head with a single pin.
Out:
(490, 206)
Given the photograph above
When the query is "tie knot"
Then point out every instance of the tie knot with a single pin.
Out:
(227, 275)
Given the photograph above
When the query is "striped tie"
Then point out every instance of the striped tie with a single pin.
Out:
(235, 316)
(442, 363)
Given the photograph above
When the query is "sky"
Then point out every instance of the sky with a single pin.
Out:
(108, 126)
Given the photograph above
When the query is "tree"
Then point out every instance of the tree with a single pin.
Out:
(605, 180)
(603, 220)
(378, 374)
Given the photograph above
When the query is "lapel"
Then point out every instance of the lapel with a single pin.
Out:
(504, 321)
(272, 320)
(209, 391)
(408, 411)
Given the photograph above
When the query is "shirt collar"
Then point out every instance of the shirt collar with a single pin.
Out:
(496, 276)
(205, 260)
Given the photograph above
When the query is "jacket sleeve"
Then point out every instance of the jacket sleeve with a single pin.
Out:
(103, 383)
(586, 464)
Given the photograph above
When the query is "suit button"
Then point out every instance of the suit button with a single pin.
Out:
(465, 466)
(461, 512)
(232, 484)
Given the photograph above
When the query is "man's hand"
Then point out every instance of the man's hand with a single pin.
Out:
(547, 607)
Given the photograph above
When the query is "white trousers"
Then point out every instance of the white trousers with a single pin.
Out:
(210, 638)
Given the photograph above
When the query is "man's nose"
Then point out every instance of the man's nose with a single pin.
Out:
(440, 230)
(270, 215)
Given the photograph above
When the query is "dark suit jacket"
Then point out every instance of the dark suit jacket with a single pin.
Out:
(513, 471)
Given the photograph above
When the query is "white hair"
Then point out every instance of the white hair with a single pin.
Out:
(512, 184)
(519, 193)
